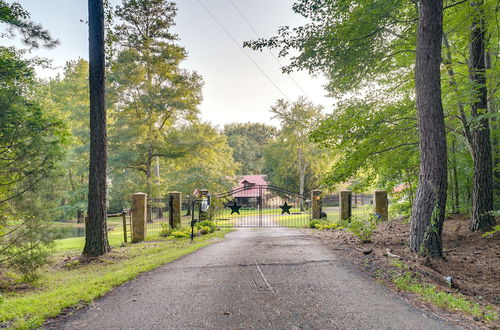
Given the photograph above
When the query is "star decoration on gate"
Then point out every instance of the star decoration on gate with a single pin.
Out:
(285, 208)
(235, 208)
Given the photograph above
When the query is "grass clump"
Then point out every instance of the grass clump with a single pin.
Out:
(408, 282)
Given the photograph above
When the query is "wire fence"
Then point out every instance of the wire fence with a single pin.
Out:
(158, 216)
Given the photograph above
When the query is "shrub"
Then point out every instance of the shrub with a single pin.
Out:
(165, 230)
(186, 232)
(26, 248)
(363, 229)
(206, 224)
(313, 223)
(323, 224)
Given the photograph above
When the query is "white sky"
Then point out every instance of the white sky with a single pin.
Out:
(235, 90)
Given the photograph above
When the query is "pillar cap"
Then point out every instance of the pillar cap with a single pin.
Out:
(139, 193)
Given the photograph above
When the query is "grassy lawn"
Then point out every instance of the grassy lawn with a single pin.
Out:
(115, 236)
(362, 211)
(75, 284)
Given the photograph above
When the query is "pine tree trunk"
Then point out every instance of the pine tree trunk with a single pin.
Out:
(96, 234)
(430, 202)
(482, 193)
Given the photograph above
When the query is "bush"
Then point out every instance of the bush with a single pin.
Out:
(26, 248)
(206, 224)
(323, 224)
(363, 229)
(165, 230)
(186, 232)
(313, 223)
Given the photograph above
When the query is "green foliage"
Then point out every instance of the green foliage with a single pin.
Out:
(165, 230)
(206, 226)
(186, 232)
(248, 142)
(492, 232)
(292, 160)
(67, 96)
(323, 224)
(30, 149)
(408, 282)
(362, 228)
(208, 165)
(149, 91)
(17, 18)
(26, 248)
(313, 223)
(401, 207)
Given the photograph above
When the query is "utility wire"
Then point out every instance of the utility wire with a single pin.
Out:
(243, 50)
(270, 52)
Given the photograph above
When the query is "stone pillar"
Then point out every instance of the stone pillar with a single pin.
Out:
(317, 203)
(381, 204)
(345, 205)
(139, 212)
(202, 194)
(175, 209)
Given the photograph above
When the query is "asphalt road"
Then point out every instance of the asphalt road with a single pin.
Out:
(272, 278)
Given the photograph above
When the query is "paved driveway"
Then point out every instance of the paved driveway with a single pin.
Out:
(272, 278)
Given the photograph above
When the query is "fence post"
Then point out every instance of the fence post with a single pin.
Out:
(175, 209)
(317, 203)
(139, 212)
(124, 223)
(345, 205)
(381, 204)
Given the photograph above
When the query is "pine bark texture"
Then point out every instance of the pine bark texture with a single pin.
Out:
(429, 206)
(482, 193)
(96, 235)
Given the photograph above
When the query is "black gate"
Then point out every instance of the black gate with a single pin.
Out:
(260, 206)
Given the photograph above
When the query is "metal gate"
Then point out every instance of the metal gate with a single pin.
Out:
(260, 206)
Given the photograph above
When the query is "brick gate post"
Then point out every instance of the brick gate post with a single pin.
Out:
(175, 209)
(139, 212)
(317, 203)
(381, 204)
(345, 205)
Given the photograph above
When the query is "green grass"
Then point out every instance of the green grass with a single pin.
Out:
(408, 282)
(77, 284)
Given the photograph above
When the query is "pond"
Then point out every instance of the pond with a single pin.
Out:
(68, 232)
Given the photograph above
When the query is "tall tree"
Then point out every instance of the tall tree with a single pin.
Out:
(248, 141)
(297, 119)
(429, 206)
(482, 196)
(96, 233)
(150, 92)
(67, 95)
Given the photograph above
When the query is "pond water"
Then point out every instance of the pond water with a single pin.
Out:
(68, 232)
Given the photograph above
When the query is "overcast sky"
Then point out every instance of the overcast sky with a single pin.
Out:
(235, 90)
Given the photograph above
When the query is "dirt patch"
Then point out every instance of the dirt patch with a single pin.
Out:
(472, 262)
